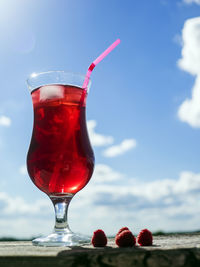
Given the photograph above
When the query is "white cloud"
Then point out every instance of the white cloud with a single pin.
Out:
(102, 140)
(24, 227)
(168, 204)
(189, 110)
(103, 173)
(120, 149)
(95, 138)
(16, 206)
(190, 60)
(192, 1)
(21, 218)
(5, 121)
(23, 170)
(178, 39)
(187, 183)
(111, 200)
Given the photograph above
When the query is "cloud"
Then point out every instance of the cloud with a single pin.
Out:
(111, 200)
(24, 227)
(190, 60)
(189, 110)
(168, 204)
(120, 149)
(188, 183)
(21, 218)
(102, 140)
(23, 170)
(17, 206)
(5, 121)
(103, 174)
(95, 138)
(192, 1)
(178, 39)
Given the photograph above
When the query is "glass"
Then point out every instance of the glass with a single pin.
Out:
(60, 159)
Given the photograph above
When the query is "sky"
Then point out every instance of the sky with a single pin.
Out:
(143, 112)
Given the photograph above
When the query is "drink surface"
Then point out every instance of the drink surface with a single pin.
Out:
(60, 159)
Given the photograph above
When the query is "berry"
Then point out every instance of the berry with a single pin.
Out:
(125, 239)
(122, 229)
(99, 238)
(145, 238)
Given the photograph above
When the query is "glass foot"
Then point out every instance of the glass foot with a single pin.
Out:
(62, 239)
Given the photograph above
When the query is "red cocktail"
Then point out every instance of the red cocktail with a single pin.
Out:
(60, 159)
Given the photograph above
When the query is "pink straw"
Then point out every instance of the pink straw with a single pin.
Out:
(96, 61)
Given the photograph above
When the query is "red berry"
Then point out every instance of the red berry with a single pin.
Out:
(125, 239)
(145, 238)
(99, 238)
(122, 229)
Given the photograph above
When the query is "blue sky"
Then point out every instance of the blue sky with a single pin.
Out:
(143, 111)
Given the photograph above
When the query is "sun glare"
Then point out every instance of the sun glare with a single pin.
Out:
(14, 31)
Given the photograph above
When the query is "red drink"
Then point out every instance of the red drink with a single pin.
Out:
(60, 158)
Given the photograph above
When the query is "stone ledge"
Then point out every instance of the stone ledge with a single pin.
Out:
(173, 250)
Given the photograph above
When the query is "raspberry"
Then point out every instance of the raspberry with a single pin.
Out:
(122, 229)
(125, 239)
(145, 238)
(99, 238)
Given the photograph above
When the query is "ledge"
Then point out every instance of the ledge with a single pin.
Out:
(170, 250)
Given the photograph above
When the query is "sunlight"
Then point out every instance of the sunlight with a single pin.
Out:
(8, 11)
(15, 33)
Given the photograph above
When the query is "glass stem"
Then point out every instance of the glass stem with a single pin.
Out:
(61, 204)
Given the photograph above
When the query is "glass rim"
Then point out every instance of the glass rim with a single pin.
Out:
(36, 74)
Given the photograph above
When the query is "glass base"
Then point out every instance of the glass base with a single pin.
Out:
(62, 239)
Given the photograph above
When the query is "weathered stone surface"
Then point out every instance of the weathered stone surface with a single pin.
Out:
(173, 251)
